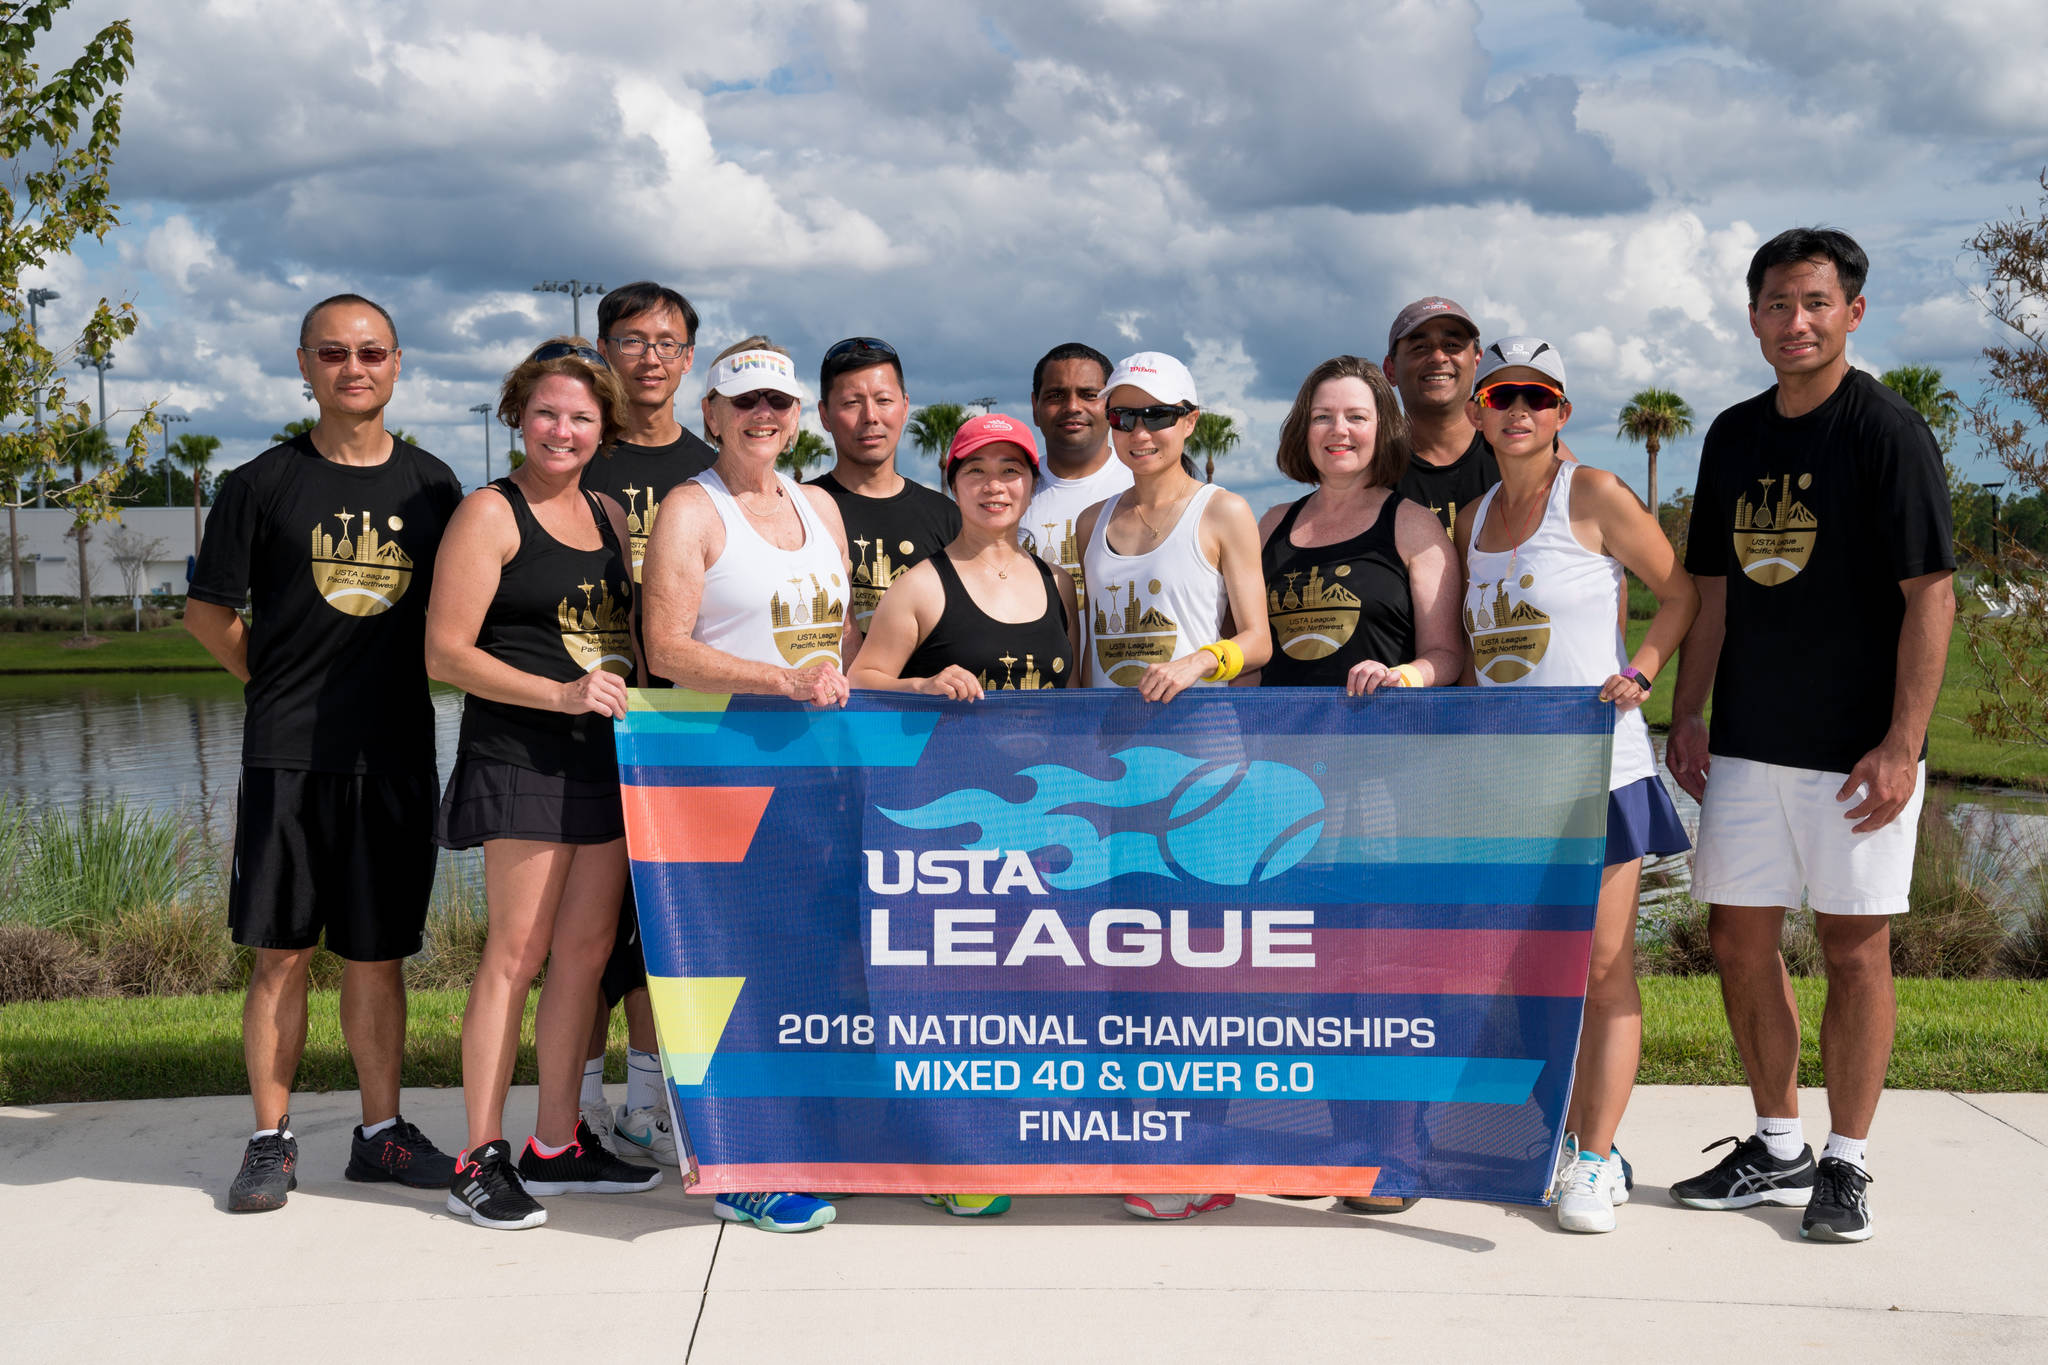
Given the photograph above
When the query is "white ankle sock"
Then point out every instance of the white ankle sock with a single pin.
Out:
(268, 1132)
(593, 1084)
(371, 1130)
(1847, 1149)
(542, 1149)
(1781, 1136)
(643, 1079)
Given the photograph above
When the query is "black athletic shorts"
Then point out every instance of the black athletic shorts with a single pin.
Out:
(341, 853)
(487, 800)
(626, 970)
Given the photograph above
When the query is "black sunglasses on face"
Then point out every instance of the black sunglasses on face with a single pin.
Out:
(854, 345)
(774, 398)
(555, 350)
(1158, 417)
(1501, 397)
(338, 354)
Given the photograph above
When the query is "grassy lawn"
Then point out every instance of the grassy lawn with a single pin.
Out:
(165, 649)
(1957, 1035)
(1953, 752)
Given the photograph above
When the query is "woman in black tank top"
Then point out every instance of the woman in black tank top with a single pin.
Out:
(982, 615)
(1362, 586)
(531, 615)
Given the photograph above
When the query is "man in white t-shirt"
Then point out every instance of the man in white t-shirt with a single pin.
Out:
(1067, 403)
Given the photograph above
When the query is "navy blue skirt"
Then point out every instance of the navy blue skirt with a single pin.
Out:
(1642, 822)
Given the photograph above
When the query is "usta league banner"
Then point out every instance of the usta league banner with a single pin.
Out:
(1254, 940)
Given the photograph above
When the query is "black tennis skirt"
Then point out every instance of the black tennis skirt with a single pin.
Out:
(486, 799)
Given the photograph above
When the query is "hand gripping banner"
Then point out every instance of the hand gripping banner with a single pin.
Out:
(1254, 940)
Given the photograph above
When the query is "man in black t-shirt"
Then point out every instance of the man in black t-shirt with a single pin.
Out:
(1821, 543)
(891, 522)
(331, 538)
(1432, 355)
(648, 333)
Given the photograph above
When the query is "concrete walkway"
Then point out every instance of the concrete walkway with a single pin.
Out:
(119, 1249)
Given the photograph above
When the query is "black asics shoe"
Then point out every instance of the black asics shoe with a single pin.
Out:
(586, 1167)
(402, 1153)
(1838, 1211)
(487, 1190)
(1749, 1176)
(268, 1174)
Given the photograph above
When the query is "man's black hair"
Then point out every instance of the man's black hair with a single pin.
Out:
(631, 300)
(306, 323)
(1793, 245)
(853, 360)
(1068, 350)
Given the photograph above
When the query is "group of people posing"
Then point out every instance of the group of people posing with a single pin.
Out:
(1448, 537)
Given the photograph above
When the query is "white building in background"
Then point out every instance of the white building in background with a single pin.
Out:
(49, 556)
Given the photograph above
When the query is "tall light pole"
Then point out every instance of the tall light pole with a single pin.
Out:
(1992, 489)
(36, 298)
(987, 405)
(484, 410)
(575, 289)
(167, 419)
(102, 364)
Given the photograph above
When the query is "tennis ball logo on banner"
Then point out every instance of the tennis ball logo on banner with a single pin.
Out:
(1228, 824)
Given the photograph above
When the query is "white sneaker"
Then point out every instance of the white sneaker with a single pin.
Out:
(1617, 1175)
(1587, 1204)
(645, 1134)
(1567, 1157)
(599, 1117)
(1173, 1207)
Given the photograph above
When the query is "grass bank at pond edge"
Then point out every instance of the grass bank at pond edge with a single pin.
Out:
(1953, 1035)
(167, 649)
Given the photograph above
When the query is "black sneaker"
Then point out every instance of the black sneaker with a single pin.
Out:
(488, 1191)
(268, 1172)
(402, 1153)
(585, 1168)
(1749, 1176)
(1838, 1211)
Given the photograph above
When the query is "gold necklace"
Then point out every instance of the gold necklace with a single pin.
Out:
(1139, 507)
(741, 498)
(1529, 521)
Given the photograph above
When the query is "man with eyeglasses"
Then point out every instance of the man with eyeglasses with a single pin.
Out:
(647, 333)
(891, 522)
(331, 538)
(1080, 469)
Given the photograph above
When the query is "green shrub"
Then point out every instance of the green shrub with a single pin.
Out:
(46, 964)
(168, 950)
(79, 869)
(1960, 904)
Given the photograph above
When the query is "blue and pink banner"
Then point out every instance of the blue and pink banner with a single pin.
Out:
(1256, 940)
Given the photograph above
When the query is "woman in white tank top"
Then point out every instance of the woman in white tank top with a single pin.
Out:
(1544, 559)
(1168, 563)
(745, 588)
(1168, 566)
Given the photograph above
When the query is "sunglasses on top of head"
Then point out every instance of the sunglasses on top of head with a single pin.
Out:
(774, 398)
(555, 350)
(336, 354)
(1538, 397)
(859, 346)
(1158, 417)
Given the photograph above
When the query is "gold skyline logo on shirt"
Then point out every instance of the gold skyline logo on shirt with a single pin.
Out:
(874, 572)
(639, 525)
(595, 634)
(363, 576)
(1774, 540)
(1032, 679)
(1313, 620)
(1509, 637)
(807, 625)
(1129, 636)
(1059, 547)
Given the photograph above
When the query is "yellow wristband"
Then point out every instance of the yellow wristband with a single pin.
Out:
(1229, 661)
(1406, 675)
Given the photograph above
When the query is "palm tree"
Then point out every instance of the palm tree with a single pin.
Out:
(297, 426)
(1214, 435)
(808, 449)
(1921, 386)
(194, 452)
(933, 425)
(1651, 418)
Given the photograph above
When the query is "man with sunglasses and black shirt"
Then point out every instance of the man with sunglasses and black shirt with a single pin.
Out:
(331, 537)
(891, 522)
(647, 334)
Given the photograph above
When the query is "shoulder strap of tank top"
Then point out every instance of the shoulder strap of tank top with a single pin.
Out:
(1287, 519)
(1383, 524)
(522, 511)
(1479, 519)
(1561, 496)
(604, 524)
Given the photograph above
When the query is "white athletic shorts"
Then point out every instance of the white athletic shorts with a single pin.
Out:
(1770, 835)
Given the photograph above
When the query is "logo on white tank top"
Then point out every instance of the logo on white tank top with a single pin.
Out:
(806, 620)
(1132, 633)
(1509, 635)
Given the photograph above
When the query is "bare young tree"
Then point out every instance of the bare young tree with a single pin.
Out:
(132, 553)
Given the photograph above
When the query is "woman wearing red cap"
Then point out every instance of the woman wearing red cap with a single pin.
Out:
(980, 616)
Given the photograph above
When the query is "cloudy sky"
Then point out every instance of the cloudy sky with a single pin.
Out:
(1251, 186)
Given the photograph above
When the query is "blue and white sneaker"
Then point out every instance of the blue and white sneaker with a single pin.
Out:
(775, 1212)
(1567, 1157)
(644, 1135)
